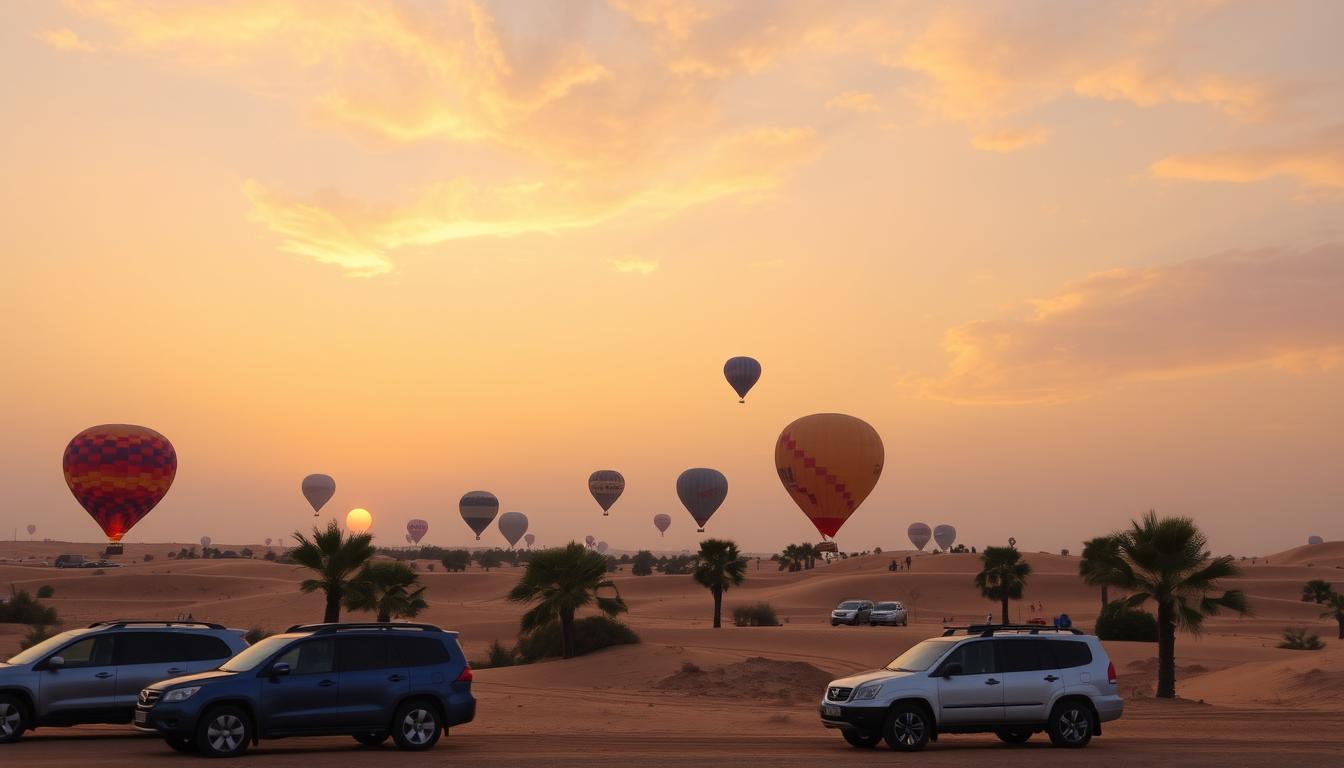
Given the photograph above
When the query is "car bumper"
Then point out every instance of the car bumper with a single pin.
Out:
(1109, 707)
(165, 719)
(459, 710)
(856, 718)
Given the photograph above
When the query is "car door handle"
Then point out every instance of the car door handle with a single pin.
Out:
(103, 675)
(991, 681)
(327, 683)
(1050, 678)
(395, 679)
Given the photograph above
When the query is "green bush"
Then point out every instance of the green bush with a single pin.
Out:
(643, 563)
(455, 560)
(45, 591)
(756, 615)
(1299, 639)
(499, 655)
(1119, 622)
(591, 633)
(23, 609)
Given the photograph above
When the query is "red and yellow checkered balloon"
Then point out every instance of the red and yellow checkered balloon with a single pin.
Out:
(829, 463)
(118, 472)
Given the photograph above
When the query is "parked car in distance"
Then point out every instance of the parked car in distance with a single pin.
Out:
(1011, 680)
(890, 613)
(852, 612)
(95, 674)
(370, 681)
(69, 561)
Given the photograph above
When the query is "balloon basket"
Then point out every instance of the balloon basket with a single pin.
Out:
(113, 549)
(699, 530)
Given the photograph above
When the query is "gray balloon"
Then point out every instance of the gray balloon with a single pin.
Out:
(742, 374)
(606, 485)
(919, 534)
(530, 538)
(513, 525)
(602, 547)
(318, 490)
(945, 536)
(662, 523)
(702, 491)
(478, 510)
(1313, 540)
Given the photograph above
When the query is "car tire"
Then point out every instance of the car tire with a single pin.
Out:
(835, 623)
(13, 718)
(1008, 736)
(181, 743)
(861, 739)
(224, 732)
(1071, 725)
(416, 725)
(370, 739)
(908, 728)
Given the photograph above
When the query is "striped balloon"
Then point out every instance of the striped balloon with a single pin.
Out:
(478, 510)
(118, 473)
(606, 485)
(702, 491)
(742, 373)
(416, 530)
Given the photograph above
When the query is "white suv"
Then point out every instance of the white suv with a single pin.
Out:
(1011, 680)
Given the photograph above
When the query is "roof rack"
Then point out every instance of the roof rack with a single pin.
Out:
(160, 622)
(325, 628)
(988, 630)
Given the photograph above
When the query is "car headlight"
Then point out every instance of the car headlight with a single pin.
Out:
(867, 692)
(180, 694)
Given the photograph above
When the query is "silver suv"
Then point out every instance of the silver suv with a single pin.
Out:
(95, 674)
(852, 612)
(891, 614)
(1011, 680)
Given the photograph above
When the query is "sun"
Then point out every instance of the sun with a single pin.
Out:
(358, 520)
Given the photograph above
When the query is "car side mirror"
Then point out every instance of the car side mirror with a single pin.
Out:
(952, 670)
(56, 662)
(279, 670)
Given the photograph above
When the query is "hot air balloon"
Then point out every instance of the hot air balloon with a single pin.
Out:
(701, 491)
(606, 485)
(945, 536)
(118, 472)
(602, 547)
(416, 530)
(662, 523)
(829, 463)
(32, 529)
(205, 541)
(742, 373)
(590, 540)
(478, 510)
(513, 525)
(1313, 540)
(919, 534)
(318, 490)
(358, 520)
(268, 542)
(529, 538)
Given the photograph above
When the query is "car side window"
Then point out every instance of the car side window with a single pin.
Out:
(144, 648)
(202, 648)
(311, 657)
(1025, 655)
(89, 652)
(419, 652)
(1071, 653)
(975, 658)
(361, 654)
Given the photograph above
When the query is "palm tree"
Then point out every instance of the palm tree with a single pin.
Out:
(1335, 610)
(560, 581)
(1100, 565)
(810, 553)
(333, 556)
(719, 566)
(1165, 560)
(1002, 575)
(386, 587)
(791, 559)
(1317, 591)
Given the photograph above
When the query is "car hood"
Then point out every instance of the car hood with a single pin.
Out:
(199, 677)
(854, 681)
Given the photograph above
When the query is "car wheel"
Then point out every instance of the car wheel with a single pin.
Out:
(416, 725)
(181, 743)
(1013, 737)
(371, 739)
(861, 739)
(224, 732)
(13, 718)
(908, 728)
(835, 623)
(1070, 725)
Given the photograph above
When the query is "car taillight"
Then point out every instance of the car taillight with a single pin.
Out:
(1110, 673)
(466, 675)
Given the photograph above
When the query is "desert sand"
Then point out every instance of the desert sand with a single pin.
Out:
(692, 695)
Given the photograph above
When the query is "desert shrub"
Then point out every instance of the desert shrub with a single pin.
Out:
(245, 552)
(642, 565)
(455, 560)
(256, 635)
(22, 608)
(1299, 639)
(150, 558)
(36, 634)
(591, 633)
(45, 591)
(499, 655)
(755, 615)
(269, 556)
(489, 559)
(1120, 622)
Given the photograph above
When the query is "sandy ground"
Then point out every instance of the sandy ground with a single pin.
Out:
(1244, 701)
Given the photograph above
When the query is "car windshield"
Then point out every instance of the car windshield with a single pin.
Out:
(920, 657)
(852, 605)
(43, 648)
(888, 607)
(251, 658)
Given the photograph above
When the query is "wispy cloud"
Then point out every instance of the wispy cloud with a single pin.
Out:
(855, 101)
(635, 266)
(1011, 139)
(65, 39)
(1193, 318)
(1316, 161)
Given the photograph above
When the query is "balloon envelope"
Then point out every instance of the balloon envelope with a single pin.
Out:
(742, 373)
(358, 520)
(590, 540)
(919, 534)
(32, 529)
(268, 542)
(118, 472)
(702, 491)
(513, 525)
(478, 510)
(602, 547)
(1310, 539)
(529, 538)
(416, 529)
(606, 485)
(945, 536)
(829, 463)
(318, 490)
(662, 523)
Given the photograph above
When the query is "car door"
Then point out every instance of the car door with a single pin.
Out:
(974, 692)
(1031, 678)
(372, 681)
(306, 699)
(83, 688)
(144, 658)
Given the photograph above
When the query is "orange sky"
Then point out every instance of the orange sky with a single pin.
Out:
(1071, 262)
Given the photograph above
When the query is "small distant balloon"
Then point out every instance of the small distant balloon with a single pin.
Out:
(416, 530)
(1012, 541)
(205, 541)
(529, 539)
(268, 542)
(1313, 540)
(118, 473)
(945, 536)
(32, 529)
(742, 373)
(513, 525)
(358, 520)
(602, 547)
(702, 491)
(478, 510)
(590, 540)
(318, 490)
(662, 523)
(829, 463)
(606, 485)
(919, 534)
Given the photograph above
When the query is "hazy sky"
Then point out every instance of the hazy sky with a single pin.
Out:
(1072, 260)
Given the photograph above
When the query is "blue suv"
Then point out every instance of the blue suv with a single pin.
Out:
(369, 681)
